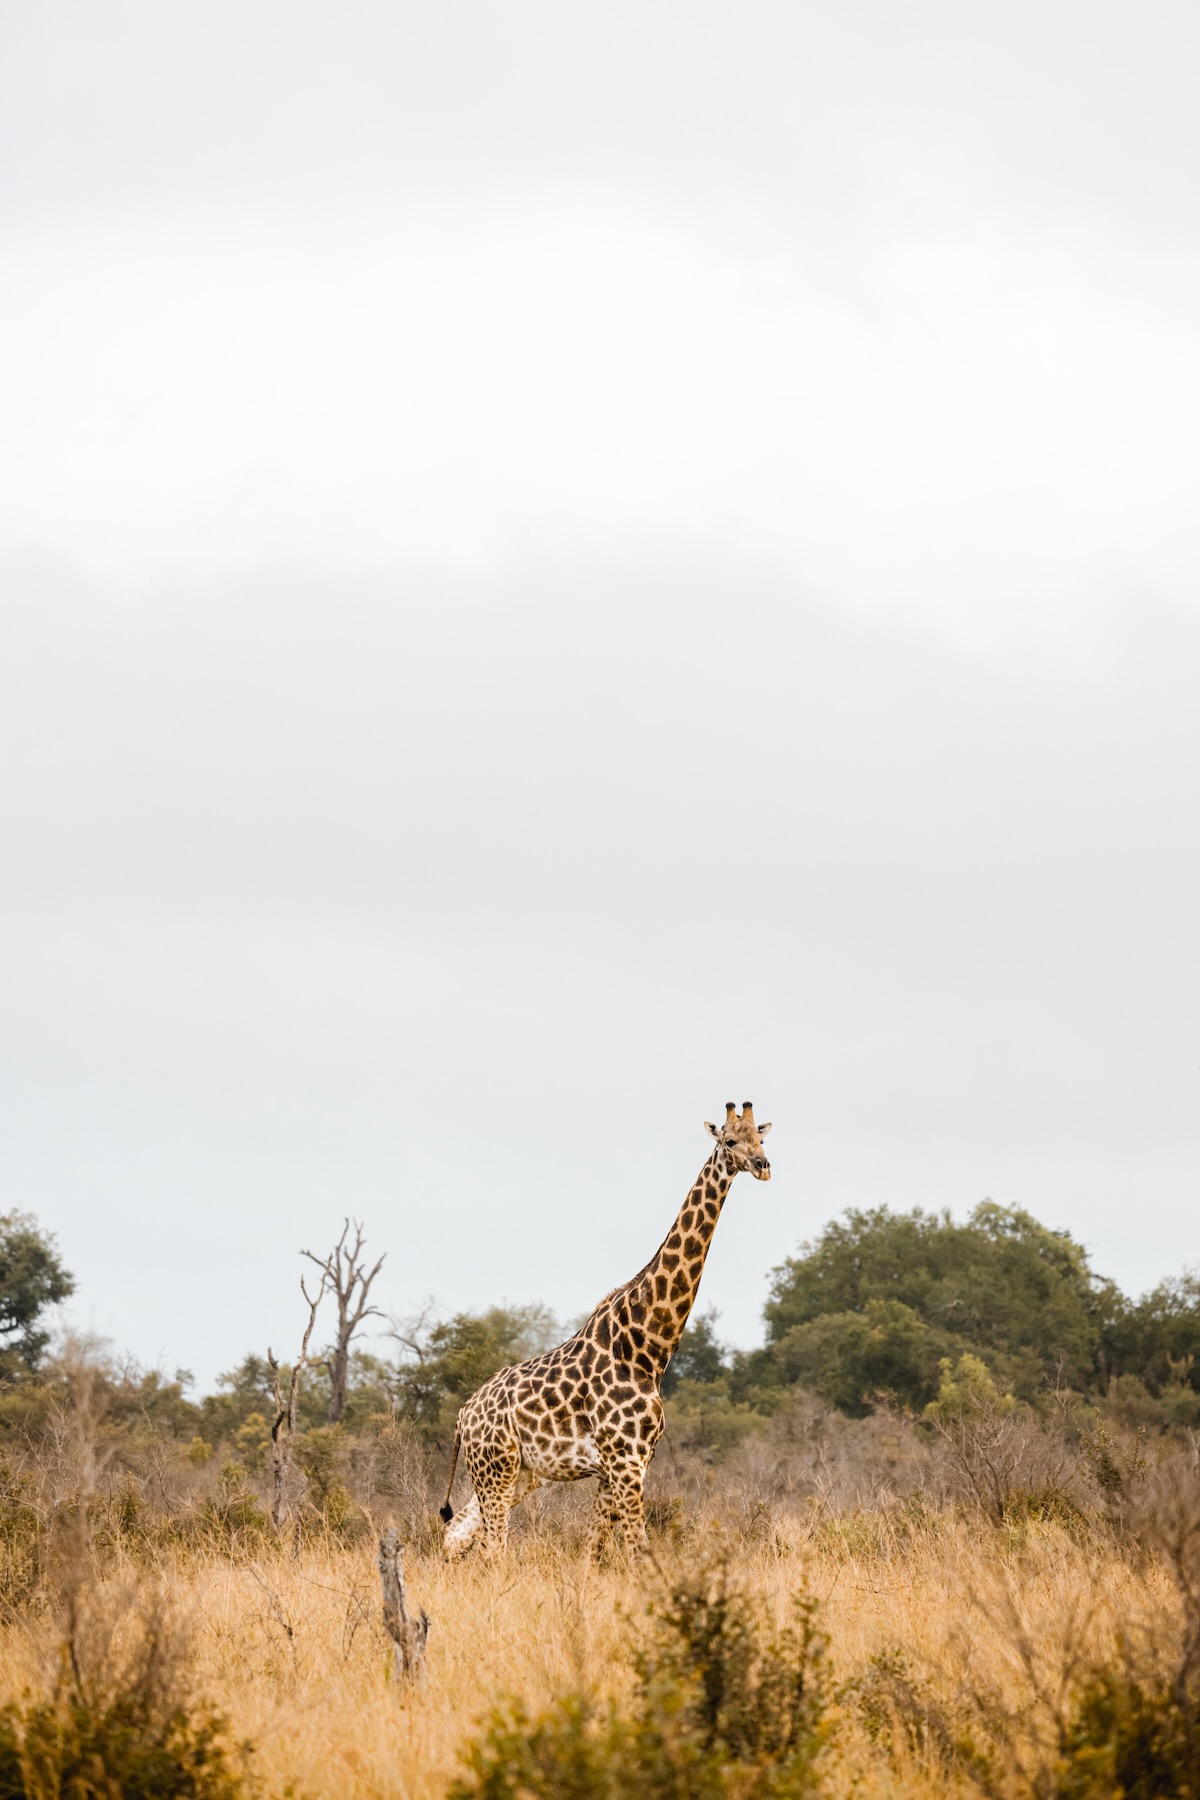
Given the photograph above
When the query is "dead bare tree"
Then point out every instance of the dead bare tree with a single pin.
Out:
(285, 1410)
(346, 1272)
(410, 1636)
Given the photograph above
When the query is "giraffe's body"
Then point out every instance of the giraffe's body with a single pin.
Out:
(592, 1406)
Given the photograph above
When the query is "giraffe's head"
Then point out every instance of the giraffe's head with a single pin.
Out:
(741, 1139)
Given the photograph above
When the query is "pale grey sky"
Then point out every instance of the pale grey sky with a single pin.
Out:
(559, 565)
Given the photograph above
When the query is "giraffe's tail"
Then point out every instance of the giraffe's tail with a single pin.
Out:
(447, 1511)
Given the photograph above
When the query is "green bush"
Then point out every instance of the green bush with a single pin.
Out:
(68, 1749)
(721, 1710)
(1129, 1740)
(120, 1723)
(702, 1417)
(233, 1514)
(899, 1710)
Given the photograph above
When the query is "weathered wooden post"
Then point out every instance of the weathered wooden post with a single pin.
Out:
(410, 1636)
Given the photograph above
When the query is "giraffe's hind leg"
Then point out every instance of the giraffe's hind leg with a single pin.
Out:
(497, 1504)
(462, 1531)
(500, 1482)
(497, 1490)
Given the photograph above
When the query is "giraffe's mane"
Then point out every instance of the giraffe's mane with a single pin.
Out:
(604, 1300)
(622, 1287)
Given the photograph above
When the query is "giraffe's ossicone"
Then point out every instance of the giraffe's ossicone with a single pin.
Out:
(593, 1405)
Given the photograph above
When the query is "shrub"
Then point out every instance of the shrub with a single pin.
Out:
(900, 1710)
(721, 1710)
(68, 1747)
(119, 1721)
(701, 1417)
(233, 1514)
(1108, 1713)
(1130, 1740)
(991, 1441)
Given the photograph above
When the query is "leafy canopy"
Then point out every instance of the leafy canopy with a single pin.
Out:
(32, 1278)
(879, 1299)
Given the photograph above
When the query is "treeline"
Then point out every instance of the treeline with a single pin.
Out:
(876, 1312)
(876, 1309)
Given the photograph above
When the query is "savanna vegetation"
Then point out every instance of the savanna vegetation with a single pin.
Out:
(940, 1534)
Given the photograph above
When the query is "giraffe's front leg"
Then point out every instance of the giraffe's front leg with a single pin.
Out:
(625, 1480)
(603, 1519)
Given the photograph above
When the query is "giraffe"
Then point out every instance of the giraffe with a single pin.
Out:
(592, 1406)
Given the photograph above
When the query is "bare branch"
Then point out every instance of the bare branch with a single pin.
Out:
(412, 1334)
(284, 1424)
(350, 1280)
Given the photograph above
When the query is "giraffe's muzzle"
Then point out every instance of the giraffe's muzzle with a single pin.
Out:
(760, 1168)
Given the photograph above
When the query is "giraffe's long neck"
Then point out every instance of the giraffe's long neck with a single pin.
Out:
(649, 1313)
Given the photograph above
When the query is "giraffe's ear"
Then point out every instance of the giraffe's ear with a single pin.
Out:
(763, 1129)
(712, 1130)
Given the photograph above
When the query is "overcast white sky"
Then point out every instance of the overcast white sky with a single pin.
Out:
(562, 564)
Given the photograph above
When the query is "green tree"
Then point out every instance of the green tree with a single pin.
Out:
(879, 1297)
(856, 1359)
(245, 1392)
(700, 1356)
(32, 1278)
(1158, 1337)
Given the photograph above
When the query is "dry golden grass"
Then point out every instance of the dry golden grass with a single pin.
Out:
(291, 1648)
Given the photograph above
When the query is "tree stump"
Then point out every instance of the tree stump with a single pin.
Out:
(410, 1636)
